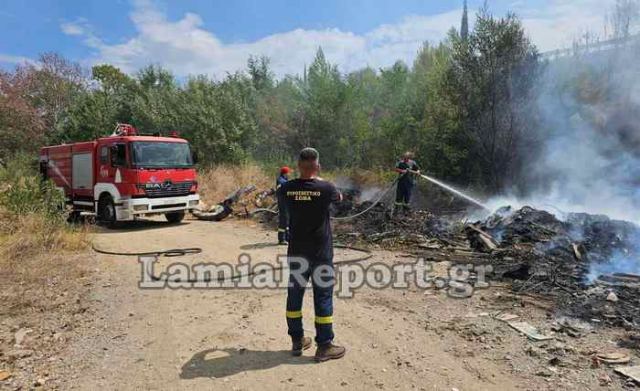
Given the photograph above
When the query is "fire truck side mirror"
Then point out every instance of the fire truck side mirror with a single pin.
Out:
(118, 155)
(194, 157)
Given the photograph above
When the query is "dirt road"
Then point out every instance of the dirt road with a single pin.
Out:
(236, 339)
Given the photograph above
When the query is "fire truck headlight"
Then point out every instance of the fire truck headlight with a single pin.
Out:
(140, 207)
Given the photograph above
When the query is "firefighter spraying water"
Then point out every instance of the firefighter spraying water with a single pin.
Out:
(408, 170)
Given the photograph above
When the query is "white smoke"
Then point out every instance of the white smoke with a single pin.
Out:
(620, 262)
(364, 192)
(589, 115)
(370, 193)
(588, 159)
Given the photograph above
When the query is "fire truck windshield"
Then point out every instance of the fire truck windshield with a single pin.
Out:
(157, 154)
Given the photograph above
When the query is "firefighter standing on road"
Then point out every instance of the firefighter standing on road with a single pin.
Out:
(283, 216)
(406, 181)
(310, 255)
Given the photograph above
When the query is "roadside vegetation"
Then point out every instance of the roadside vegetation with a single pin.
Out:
(457, 106)
(44, 269)
(468, 106)
(35, 238)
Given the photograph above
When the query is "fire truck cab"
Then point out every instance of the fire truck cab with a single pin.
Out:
(125, 175)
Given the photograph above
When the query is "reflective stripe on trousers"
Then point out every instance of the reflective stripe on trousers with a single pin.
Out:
(322, 300)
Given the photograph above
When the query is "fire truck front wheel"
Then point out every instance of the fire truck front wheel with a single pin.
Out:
(174, 217)
(107, 211)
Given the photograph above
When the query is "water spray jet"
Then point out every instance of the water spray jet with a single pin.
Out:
(452, 190)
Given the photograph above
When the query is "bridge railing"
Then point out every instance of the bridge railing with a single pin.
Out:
(591, 47)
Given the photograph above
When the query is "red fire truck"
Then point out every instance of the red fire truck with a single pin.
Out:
(125, 175)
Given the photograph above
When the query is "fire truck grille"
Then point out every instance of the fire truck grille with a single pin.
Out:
(167, 189)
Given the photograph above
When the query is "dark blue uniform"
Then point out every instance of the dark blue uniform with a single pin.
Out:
(406, 182)
(283, 216)
(308, 202)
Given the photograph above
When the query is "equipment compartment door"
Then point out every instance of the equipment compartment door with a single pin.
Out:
(82, 173)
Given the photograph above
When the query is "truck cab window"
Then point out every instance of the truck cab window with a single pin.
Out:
(118, 155)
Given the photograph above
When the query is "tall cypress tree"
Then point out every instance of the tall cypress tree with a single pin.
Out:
(464, 27)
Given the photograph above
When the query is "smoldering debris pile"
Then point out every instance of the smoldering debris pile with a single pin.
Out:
(585, 261)
(382, 226)
(368, 214)
(588, 263)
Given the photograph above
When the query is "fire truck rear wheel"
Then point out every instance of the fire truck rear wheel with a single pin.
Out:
(107, 211)
(174, 217)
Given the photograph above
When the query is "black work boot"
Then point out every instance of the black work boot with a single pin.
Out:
(300, 344)
(329, 351)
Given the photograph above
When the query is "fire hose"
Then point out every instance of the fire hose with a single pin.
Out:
(178, 252)
(264, 210)
(174, 252)
(384, 193)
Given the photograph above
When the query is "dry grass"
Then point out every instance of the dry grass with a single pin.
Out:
(216, 183)
(34, 234)
(34, 251)
(45, 280)
(45, 273)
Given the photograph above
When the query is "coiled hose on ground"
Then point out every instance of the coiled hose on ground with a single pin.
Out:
(178, 252)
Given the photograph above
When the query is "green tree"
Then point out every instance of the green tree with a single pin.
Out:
(97, 110)
(442, 142)
(494, 72)
(155, 100)
(318, 121)
(261, 75)
(215, 118)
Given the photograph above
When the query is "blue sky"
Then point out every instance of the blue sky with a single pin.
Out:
(216, 37)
